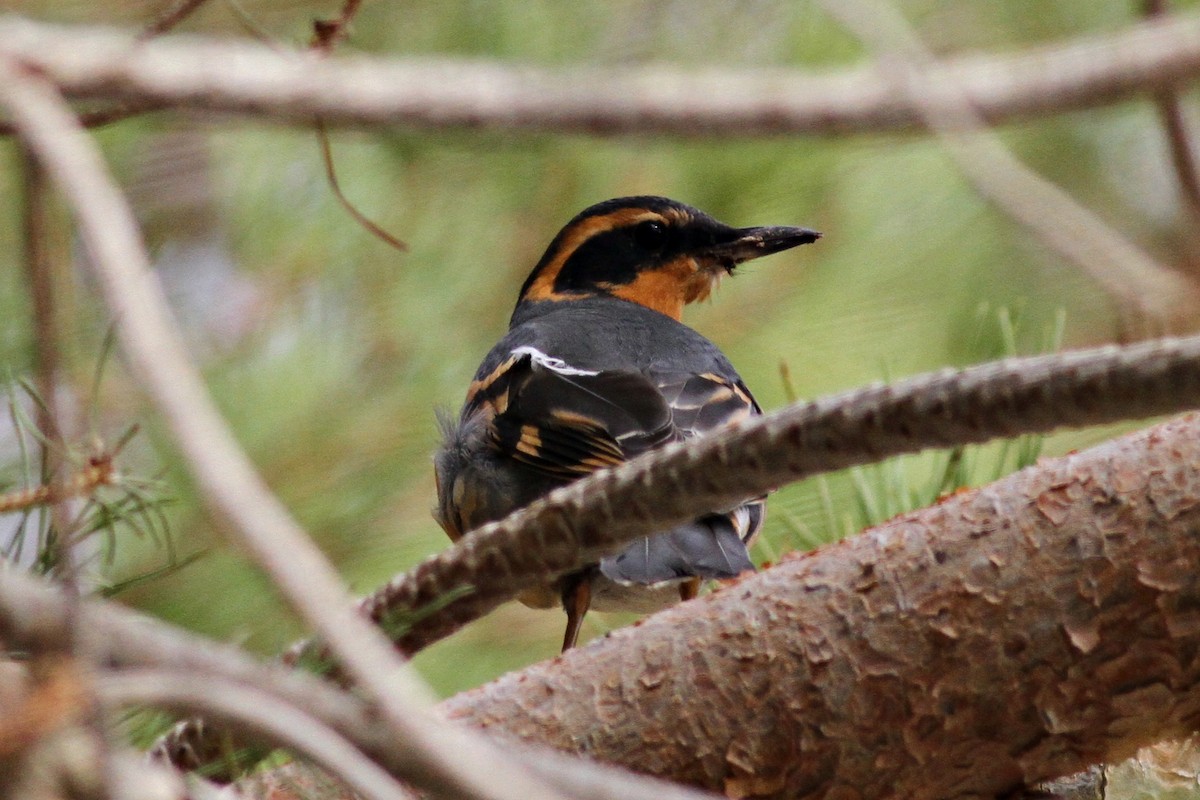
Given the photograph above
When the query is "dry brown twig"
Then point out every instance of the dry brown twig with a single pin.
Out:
(98, 472)
(39, 277)
(328, 32)
(174, 14)
(243, 78)
(80, 724)
(1175, 126)
(252, 514)
(326, 35)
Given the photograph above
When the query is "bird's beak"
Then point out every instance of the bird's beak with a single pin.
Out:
(754, 242)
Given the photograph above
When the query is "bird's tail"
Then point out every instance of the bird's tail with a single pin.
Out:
(714, 546)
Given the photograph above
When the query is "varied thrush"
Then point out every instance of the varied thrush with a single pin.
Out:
(596, 368)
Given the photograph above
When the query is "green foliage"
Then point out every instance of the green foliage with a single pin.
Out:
(103, 506)
(875, 493)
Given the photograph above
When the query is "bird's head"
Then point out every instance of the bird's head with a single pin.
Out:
(649, 250)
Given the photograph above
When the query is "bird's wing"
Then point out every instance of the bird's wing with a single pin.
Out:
(564, 421)
(701, 402)
(713, 546)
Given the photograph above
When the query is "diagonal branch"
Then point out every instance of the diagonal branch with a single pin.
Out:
(579, 523)
(196, 73)
(1179, 139)
(253, 516)
(1150, 296)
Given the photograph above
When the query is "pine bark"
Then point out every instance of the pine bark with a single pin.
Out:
(1007, 635)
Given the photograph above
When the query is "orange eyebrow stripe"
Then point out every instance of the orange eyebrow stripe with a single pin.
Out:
(542, 287)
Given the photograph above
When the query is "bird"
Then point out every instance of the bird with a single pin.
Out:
(596, 368)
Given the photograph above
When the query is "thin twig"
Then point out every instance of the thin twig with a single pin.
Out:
(117, 112)
(328, 32)
(251, 79)
(60, 491)
(253, 516)
(171, 17)
(1179, 140)
(374, 228)
(99, 472)
(1153, 298)
(1183, 157)
(40, 278)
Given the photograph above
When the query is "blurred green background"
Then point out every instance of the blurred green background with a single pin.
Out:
(329, 351)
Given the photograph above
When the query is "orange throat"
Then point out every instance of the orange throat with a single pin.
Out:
(669, 289)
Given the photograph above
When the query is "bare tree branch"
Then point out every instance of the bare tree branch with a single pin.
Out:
(1183, 157)
(57, 425)
(253, 516)
(578, 524)
(1179, 140)
(39, 277)
(1152, 298)
(1005, 636)
(124, 110)
(99, 117)
(193, 73)
(35, 615)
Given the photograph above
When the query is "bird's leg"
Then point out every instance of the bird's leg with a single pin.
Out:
(576, 598)
(689, 589)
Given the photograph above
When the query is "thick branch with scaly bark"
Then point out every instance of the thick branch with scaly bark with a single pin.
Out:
(252, 79)
(580, 523)
(1008, 635)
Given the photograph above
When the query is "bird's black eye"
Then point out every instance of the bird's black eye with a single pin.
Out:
(651, 235)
